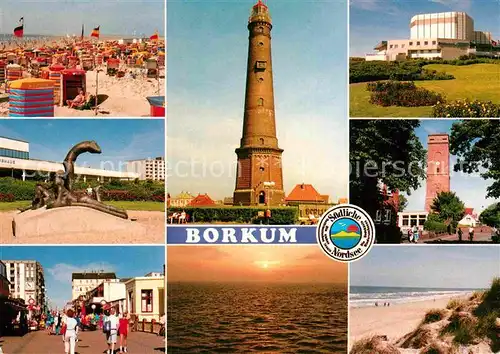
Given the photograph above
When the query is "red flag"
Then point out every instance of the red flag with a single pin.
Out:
(154, 37)
(19, 30)
(494, 43)
(95, 32)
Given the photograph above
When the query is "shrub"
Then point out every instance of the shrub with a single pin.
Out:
(9, 197)
(455, 304)
(406, 94)
(435, 226)
(381, 86)
(364, 71)
(12, 189)
(434, 75)
(434, 315)
(466, 109)
(279, 216)
(373, 345)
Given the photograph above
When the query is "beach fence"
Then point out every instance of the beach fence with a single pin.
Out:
(2, 71)
(55, 74)
(31, 98)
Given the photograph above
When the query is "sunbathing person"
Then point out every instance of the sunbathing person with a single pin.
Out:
(78, 101)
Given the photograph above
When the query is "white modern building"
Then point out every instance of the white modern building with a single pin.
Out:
(407, 219)
(81, 283)
(15, 162)
(27, 281)
(109, 292)
(146, 296)
(446, 35)
(148, 169)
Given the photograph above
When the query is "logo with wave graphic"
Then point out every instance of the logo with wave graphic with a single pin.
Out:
(345, 233)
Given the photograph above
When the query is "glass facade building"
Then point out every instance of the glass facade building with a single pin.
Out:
(14, 154)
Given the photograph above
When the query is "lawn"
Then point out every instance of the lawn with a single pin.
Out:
(144, 206)
(477, 81)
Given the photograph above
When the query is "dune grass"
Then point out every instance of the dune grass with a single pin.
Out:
(473, 82)
(142, 206)
(434, 315)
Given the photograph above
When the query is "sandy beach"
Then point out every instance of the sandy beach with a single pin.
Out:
(154, 221)
(125, 97)
(118, 97)
(394, 321)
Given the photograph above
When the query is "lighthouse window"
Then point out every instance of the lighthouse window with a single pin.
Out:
(261, 101)
(261, 169)
(261, 79)
(261, 43)
(261, 141)
(438, 170)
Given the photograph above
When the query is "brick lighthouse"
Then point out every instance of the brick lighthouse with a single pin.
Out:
(438, 167)
(259, 179)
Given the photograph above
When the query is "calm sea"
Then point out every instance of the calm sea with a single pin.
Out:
(245, 318)
(361, 296)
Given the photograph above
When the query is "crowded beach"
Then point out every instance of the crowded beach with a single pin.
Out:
(82, 77)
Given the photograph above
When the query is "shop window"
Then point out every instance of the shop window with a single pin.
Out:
(147, 300)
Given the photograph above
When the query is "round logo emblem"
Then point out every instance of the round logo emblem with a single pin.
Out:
(345, 233)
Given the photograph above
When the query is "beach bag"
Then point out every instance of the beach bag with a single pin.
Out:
(106, 328)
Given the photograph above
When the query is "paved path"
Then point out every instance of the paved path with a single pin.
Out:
(153, 220)
(89, 343)
(478, 237)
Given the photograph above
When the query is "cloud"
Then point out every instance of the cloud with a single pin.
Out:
(386, 6)
(454, 4)
(62, 272)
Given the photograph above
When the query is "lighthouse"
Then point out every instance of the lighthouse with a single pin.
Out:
(259, 179)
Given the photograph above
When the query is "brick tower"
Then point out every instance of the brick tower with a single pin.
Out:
(259, 177)
(438, 167)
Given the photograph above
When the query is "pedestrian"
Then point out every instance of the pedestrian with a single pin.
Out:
(58, 324)
(70, 332)
(471, 233)
(111, 327)
(123, 330)
(460, 233)
(415, 234)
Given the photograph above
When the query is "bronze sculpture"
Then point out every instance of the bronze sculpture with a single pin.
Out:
(60, 192)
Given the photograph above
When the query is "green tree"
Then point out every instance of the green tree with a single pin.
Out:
(491, 215)
(386, 151)
(476, 143)
(448, 207)
(403, 203)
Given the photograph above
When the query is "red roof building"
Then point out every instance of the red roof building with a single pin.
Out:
(306, 193)
(201, 200)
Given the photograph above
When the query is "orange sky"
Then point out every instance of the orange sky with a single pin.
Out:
(287, 264)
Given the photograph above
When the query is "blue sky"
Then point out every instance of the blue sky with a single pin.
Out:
(120, 140)
(208, 47)
(471, 189)
(60, 262)
(427, 266)
(372, 21)
(61, 17)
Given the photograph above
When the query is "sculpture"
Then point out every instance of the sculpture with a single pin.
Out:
(60, 192)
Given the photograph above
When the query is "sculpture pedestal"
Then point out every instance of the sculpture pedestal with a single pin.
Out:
(76, 220)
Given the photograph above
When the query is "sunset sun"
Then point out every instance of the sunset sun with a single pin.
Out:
(266, 264)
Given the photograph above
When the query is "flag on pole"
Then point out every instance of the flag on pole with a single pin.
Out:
(95, 32)
(154, 37)
(19, 30)
(494, 43)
